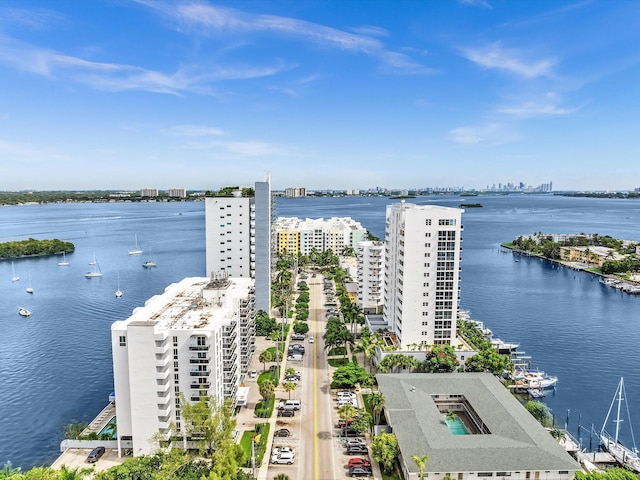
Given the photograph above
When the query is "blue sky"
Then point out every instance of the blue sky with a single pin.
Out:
(120, 94)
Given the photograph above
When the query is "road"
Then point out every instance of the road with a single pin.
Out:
(317, 455)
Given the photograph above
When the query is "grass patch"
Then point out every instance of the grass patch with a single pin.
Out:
(264, 409)
(338, 362)
(272, 374)
(260, 447)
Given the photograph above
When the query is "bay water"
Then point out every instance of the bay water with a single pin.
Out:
(55, 366)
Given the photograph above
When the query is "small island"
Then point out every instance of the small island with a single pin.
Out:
(616, 261)
(34, 248)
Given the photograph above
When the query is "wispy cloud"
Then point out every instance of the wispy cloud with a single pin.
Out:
(509, 60)
(549, 105)
(122, 77)
(193, 131)
(33, 19)
(21, 152)
(212, 20)
(477, 3)
(491, 134)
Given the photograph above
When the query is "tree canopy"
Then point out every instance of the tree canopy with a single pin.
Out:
(33, 247)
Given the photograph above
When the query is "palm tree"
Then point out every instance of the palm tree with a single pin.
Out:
(282, 476)
(290, 371)
(347, 412)
(8, 471)
(289, 387)
(420, 463)
(267, 389)
(451, 415)
(67, 473)
(264, 358)
(376, 402)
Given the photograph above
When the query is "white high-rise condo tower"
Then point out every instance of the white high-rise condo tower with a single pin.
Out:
(422, 273)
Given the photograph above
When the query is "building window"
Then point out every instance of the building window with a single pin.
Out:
(427, 222)
(427, 254)
(428, 234)
(123, 341)
(485, 474)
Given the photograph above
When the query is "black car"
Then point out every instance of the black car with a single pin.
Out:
(95, 454)
(360, 472)
(357, 450)
(285, 412)
(283, 432)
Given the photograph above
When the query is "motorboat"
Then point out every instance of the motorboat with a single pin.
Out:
(24, 312)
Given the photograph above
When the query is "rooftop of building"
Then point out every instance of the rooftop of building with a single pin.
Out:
(410, 206)
(194, 302)
(513, 440)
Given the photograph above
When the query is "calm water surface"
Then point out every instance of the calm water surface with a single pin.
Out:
(55, 367)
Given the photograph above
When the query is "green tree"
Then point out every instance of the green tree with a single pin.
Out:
(77, 473)
(385, 450)
(346, 413)
(267, 389)
(376, 402)
(347, 376)
(73, 431)
(282, 476)
(611, 474)
(301, 328)
(540, 412)
(289, 387)
(362, 422)
(488, 360)
(264, 358)
(9, 471)
(209, 423)
(420, 462)
(441, 359)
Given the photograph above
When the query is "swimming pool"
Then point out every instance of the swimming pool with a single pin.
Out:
(456, 427)
(110, 429)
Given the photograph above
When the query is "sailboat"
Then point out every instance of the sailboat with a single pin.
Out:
(14, 277)
(64, 262)
(24, 312)
(96, 269)
(623, 455)
(136, 250)
(29, 289)
(94, 261)
(118, 291)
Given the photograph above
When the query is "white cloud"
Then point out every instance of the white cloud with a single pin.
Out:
(215, 20)
(193, 131)
(249, 148)
(509, 60)
(549, 104)
(122, 77)
(491, 134)
(477, 3)
(35, 19)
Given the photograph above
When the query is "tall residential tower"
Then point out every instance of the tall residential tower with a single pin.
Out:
(422, 270)
(238, 238)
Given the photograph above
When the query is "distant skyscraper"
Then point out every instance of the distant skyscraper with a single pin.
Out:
(422, 268)
(177, 192)
(149, 192)
(238, 238)
(295, 192)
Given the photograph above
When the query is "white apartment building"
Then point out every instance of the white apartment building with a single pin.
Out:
(195, 339)
(422, 273)
(238, 238)
(370, 276)
(294, 235)
(148, 192)
(295, 192)
(177, 192)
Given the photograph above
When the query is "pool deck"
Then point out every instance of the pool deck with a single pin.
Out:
(101, 420)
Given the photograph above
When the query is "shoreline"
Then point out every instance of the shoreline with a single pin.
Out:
(627, 286)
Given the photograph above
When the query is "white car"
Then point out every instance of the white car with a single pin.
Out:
(310, 339)
(253, 374)
(283, 458)
(283, 450)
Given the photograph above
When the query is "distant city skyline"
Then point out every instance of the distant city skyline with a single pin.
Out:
(198, 94)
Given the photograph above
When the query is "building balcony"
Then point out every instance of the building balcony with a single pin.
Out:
(200, 373)
(199, 386)
(198, 360)
(198, 348)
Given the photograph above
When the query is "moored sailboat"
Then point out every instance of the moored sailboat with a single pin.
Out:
(136, 250)
(96, 270)
(627, 457)
(64, 262)
(14, 277)
(118, 291)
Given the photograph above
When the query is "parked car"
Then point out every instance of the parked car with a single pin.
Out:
(290, 404)
(286, 412)
(344, 422)
(253, 374)
(283, 432)
(95, 454)
(359, 462)
(357, 450)
(295, 358)
(296, 346)
(283, 458)
(360, 472)
(297, 336)
(281, 450)
(355, 441)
